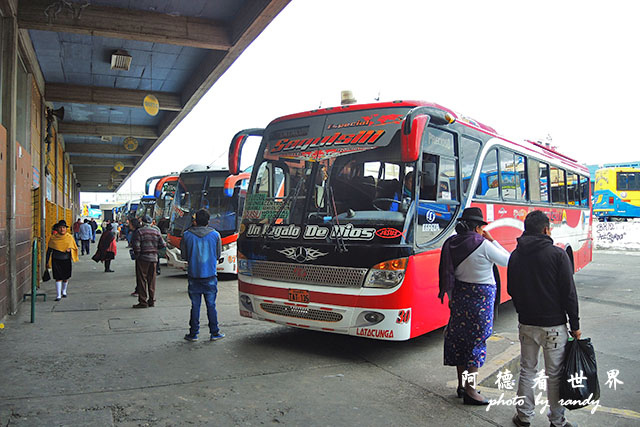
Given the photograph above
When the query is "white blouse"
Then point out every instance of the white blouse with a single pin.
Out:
(478, 267)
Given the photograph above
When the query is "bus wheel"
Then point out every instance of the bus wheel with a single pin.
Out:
(570, 253)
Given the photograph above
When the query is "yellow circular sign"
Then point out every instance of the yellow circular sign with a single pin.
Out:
(118, 166)
(151, 105)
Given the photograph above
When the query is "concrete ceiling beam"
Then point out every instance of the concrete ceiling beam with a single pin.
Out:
(58, 92)
(106, 129)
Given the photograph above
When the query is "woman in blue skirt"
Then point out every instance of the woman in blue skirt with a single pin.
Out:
(466, 277)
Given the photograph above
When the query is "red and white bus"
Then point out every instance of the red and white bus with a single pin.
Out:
(214, 189)
(347, 209)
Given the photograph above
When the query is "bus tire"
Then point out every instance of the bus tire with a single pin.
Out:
(570, 254)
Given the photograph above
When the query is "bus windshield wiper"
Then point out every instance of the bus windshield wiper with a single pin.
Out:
(291, 196)
(340, 245)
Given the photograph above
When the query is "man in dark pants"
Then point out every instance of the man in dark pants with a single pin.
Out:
(85, 236)
(540, 281)
(145, 243)
(94, 227)
(201, 247)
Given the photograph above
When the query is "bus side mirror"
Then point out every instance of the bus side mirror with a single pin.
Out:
(413, 127)
(232, 180)
(235, 149)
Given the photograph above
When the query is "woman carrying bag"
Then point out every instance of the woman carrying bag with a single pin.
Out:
(107, 249)
(62, 250)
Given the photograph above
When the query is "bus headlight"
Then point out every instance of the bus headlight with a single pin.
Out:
(244, 265)
(386, 274)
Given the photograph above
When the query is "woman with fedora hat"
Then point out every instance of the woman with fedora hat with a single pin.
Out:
(466, 277)
(62, 249)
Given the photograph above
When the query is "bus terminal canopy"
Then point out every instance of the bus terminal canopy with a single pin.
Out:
(128, 71)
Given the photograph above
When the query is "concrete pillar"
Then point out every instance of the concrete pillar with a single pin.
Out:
(43, 186)
(9, 118)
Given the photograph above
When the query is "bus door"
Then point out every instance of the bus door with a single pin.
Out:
(437, 182)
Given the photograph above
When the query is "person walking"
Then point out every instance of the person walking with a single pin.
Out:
(201, 247)
(540, 282)
(76, 230)
(107, 248)
(146, 241)
(85, 236)
(61, 251)
(94, 227)
(466, 277)
(134, 224)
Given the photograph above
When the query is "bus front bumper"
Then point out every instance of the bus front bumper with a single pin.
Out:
(174, 260)
(383, 324)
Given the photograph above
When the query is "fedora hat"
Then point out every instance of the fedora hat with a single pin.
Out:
(473, 214)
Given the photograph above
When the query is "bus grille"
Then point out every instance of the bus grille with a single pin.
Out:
(301, 312)
(342, 277)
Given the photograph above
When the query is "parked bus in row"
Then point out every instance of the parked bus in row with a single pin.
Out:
(158, 204)
(211, 188)
(617, 193)
(347, 209)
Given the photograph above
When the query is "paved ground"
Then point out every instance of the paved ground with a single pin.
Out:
(92, 360)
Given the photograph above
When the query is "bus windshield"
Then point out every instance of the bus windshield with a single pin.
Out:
(200, 190)
(146, 207)
(362, 187)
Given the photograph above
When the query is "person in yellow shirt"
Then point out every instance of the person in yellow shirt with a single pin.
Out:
(62, 250)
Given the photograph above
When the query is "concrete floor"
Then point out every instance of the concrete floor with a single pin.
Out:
(91, 359)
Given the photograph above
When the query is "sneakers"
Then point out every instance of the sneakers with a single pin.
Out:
(192, 338)
(217, 336)
(516, 420)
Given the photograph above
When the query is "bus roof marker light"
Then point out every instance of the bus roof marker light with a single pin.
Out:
(347, 98)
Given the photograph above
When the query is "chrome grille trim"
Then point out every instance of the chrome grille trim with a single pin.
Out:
(301, 312)
(323, 275)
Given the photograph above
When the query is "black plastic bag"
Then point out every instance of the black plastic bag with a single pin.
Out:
(579, 385)
(46, 276)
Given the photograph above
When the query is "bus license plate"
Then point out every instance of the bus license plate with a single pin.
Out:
(299, 295)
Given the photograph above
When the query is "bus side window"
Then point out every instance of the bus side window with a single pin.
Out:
(573, 196)
(521, 178)
(584, 191)
(488, 184)
(533, 171)
(507, 175)
(544, 183)
(469, 149)
(558, 185)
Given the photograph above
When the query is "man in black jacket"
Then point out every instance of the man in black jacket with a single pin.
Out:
(540, 281)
